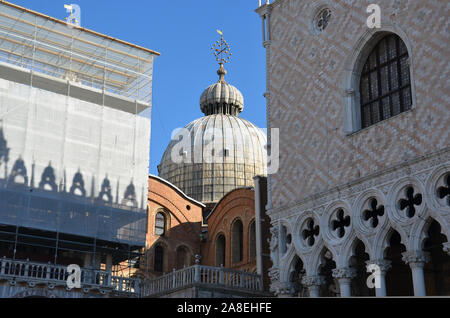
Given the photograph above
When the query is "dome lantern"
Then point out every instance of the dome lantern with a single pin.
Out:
(219, 152)
(221, 97)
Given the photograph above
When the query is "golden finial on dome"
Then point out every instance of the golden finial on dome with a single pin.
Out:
(223, 55)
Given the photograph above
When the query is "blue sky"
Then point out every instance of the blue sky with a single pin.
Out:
(183, 32)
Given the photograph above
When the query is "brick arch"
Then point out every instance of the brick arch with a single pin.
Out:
(237, 204)
(167, 219)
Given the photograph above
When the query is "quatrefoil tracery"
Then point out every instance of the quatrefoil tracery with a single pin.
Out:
(374, 213)
(310, 232)
(410, 202)
(340, 223)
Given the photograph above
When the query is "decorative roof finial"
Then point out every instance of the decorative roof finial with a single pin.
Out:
(223, 55)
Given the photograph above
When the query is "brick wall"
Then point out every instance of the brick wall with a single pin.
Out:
(236, 205)
(183, 229)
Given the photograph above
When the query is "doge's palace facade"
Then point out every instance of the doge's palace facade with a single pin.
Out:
(363, 113)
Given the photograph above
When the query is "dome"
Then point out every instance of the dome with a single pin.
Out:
(222, 97)
(220, 152)
(214, 155)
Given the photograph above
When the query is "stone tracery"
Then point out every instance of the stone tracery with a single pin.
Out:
(313, 281)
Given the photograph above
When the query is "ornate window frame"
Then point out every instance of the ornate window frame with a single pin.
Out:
(314, 12)
(352, 72)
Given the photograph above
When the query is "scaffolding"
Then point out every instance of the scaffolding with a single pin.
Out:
(50, 46)
(72, 136)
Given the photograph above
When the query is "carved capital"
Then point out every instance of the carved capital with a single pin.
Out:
(344, 273)
(383, 265)
(311, 281)
(415, 258)
(280, 289)
(283, 289)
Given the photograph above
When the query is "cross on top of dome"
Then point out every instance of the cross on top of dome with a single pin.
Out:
(223, 55)
(221, 97)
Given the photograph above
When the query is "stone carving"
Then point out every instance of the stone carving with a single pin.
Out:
(309, 281)
(344, 273)
(415, 258)
(383, 264)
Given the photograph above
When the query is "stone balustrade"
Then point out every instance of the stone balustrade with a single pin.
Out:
(30, 272)
(199, 275)
(39, 273)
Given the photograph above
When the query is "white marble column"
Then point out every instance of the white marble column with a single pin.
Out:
(381, 266)
(417, 260)
(313, 284)
(344, 277)
(258, 226)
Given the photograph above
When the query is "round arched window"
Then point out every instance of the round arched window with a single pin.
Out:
(322, 19)
(160, 224)
(385, 85)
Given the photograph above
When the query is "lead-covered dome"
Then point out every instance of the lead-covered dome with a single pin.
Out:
(216, 154)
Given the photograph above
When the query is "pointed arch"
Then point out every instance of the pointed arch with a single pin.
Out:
(316, 258)
(382, 240)
(348, 249)
(287, 263)
(420, 228)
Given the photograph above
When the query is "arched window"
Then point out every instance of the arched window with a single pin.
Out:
(220, 250)
(385, 85)
(237, 242)
(252, 240)
(160, 224)
(159, 259)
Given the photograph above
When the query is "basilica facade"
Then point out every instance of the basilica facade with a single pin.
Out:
(360, 205)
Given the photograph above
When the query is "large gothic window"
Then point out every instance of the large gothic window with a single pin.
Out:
(385, 85)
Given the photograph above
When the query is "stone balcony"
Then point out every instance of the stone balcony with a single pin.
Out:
(54, 276)
(205, 282)
(191, 282)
